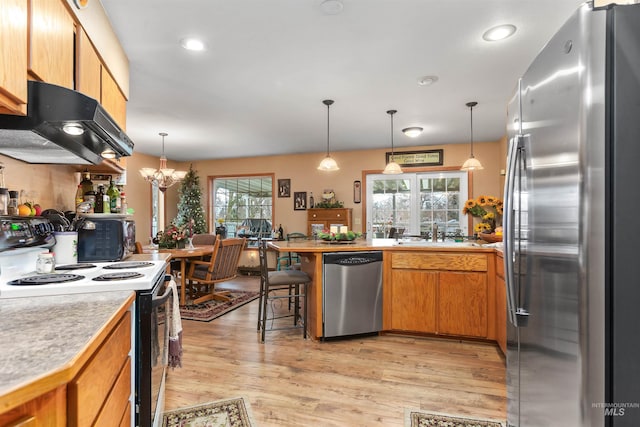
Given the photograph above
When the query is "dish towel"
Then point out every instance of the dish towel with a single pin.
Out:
(175, 328)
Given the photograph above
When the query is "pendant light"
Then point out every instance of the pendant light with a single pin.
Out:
(392, 167)
(328, 164)
(163, 176)
(471, 163)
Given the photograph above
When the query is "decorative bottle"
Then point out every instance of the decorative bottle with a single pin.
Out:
(311, 201)
(114, 198)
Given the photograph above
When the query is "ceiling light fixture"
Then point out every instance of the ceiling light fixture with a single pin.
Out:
(499, 32)
(471, 163)
(427, 80)
(192, 44)
(412, 132)
(331, 7)
(392, 168)
(163, 176)
(328, 164)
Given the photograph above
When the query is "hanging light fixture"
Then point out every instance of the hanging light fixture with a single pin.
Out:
(392, 167)
(328, 164)
(471, 163)
(163, 176)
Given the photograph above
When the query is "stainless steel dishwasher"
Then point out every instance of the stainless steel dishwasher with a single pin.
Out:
(351, 293)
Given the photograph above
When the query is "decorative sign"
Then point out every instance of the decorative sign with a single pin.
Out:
(417, 158)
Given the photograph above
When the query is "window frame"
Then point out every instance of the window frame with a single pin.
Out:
(211, 182)
(367, 176)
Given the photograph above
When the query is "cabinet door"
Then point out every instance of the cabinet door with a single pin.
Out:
(13, 56)
(88, 73)
(501, 314)
(50, 410)
(113, 100)
(462, 308)
(51, 44)
(413, 300)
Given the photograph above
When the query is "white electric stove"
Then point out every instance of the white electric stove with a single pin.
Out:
(18, 277)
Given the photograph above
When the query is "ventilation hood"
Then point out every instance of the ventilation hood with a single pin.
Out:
(62, 126)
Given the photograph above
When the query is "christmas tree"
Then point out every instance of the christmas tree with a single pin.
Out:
(190, 203)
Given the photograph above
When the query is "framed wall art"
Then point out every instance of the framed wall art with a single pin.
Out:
(300, 201)
(284, 188)
(417, 158)
(357, 191)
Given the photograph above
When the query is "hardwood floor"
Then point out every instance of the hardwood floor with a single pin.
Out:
(365, 381)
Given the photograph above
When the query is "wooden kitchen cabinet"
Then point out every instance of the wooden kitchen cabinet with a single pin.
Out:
(113, 100)
(329, 216)
(13, 57)
(462, 304)
(51, 42)
(445, 293)
(501, 305)
(89, 67)
(413, 301)
(49, 409)
(100, 393)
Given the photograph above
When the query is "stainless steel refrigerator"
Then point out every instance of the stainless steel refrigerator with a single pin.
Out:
(572, 213)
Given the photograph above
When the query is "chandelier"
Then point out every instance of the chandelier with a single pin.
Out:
(164, 177)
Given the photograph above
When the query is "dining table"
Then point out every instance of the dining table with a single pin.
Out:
(184, 254)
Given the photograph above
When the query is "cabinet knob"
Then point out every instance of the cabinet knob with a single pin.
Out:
(338, 215)
(314, 215)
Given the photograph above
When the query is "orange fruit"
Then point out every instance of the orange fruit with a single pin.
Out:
(24, 210)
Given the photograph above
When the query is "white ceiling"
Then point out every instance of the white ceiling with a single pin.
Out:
(258, 88)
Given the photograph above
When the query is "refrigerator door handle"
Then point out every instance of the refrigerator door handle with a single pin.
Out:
(509, 227)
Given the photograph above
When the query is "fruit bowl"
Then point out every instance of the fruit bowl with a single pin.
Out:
(338, 237)
(491, 238)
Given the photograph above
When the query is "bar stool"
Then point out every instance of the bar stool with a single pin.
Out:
(295, 282)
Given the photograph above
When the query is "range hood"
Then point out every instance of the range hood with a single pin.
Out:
(62, 126)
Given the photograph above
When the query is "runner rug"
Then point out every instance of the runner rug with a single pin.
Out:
(221, 413)
(209, 310)
(426, 419)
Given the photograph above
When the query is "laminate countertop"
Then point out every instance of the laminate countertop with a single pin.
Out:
(42, 337)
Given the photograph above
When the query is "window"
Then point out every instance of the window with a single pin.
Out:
(244, 204)
(411, 203)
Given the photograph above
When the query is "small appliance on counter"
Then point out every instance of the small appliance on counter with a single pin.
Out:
(105, 237)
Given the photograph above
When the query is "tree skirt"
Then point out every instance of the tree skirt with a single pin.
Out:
(221, 413)
(426, 419)
(209, 310)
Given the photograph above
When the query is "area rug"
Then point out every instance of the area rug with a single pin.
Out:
(426, 419)
(209, 310)
(221, 413)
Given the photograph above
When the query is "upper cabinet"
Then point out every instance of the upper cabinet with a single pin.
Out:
(51, 43)
(13, 57)
(113, 100)
(89, 67)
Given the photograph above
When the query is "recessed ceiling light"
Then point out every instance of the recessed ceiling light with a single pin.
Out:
(331, 7)
(192, 44)
(500, 32)
(427, 80)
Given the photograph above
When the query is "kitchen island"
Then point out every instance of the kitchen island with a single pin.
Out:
(429, 288)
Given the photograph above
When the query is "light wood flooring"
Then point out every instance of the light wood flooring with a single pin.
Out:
(369, 381)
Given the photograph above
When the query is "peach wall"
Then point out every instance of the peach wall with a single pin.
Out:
(301, 169)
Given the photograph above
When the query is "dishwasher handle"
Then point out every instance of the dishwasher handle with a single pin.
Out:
(352, 258)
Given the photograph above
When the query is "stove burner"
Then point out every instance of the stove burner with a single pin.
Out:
(45, 279)
(123, 275)
(130, 264)
(75, 266)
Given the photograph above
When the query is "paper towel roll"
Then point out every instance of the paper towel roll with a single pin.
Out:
(65, 250)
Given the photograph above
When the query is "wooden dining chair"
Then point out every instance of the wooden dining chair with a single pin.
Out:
(222, 266)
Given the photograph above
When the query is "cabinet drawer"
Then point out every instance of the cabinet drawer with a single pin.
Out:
(439, 261)
(91, 388)
(118, 401)
(327, 215)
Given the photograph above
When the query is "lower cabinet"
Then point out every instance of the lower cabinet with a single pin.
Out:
(501, 305)
(49, 409)
(439, 293)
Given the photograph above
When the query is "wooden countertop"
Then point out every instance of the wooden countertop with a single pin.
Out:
(319, 246)
(46, 340)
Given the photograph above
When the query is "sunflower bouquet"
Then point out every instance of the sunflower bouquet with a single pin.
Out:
(488, 209)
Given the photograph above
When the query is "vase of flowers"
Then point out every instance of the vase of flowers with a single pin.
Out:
(489, 210)
(173, 237)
